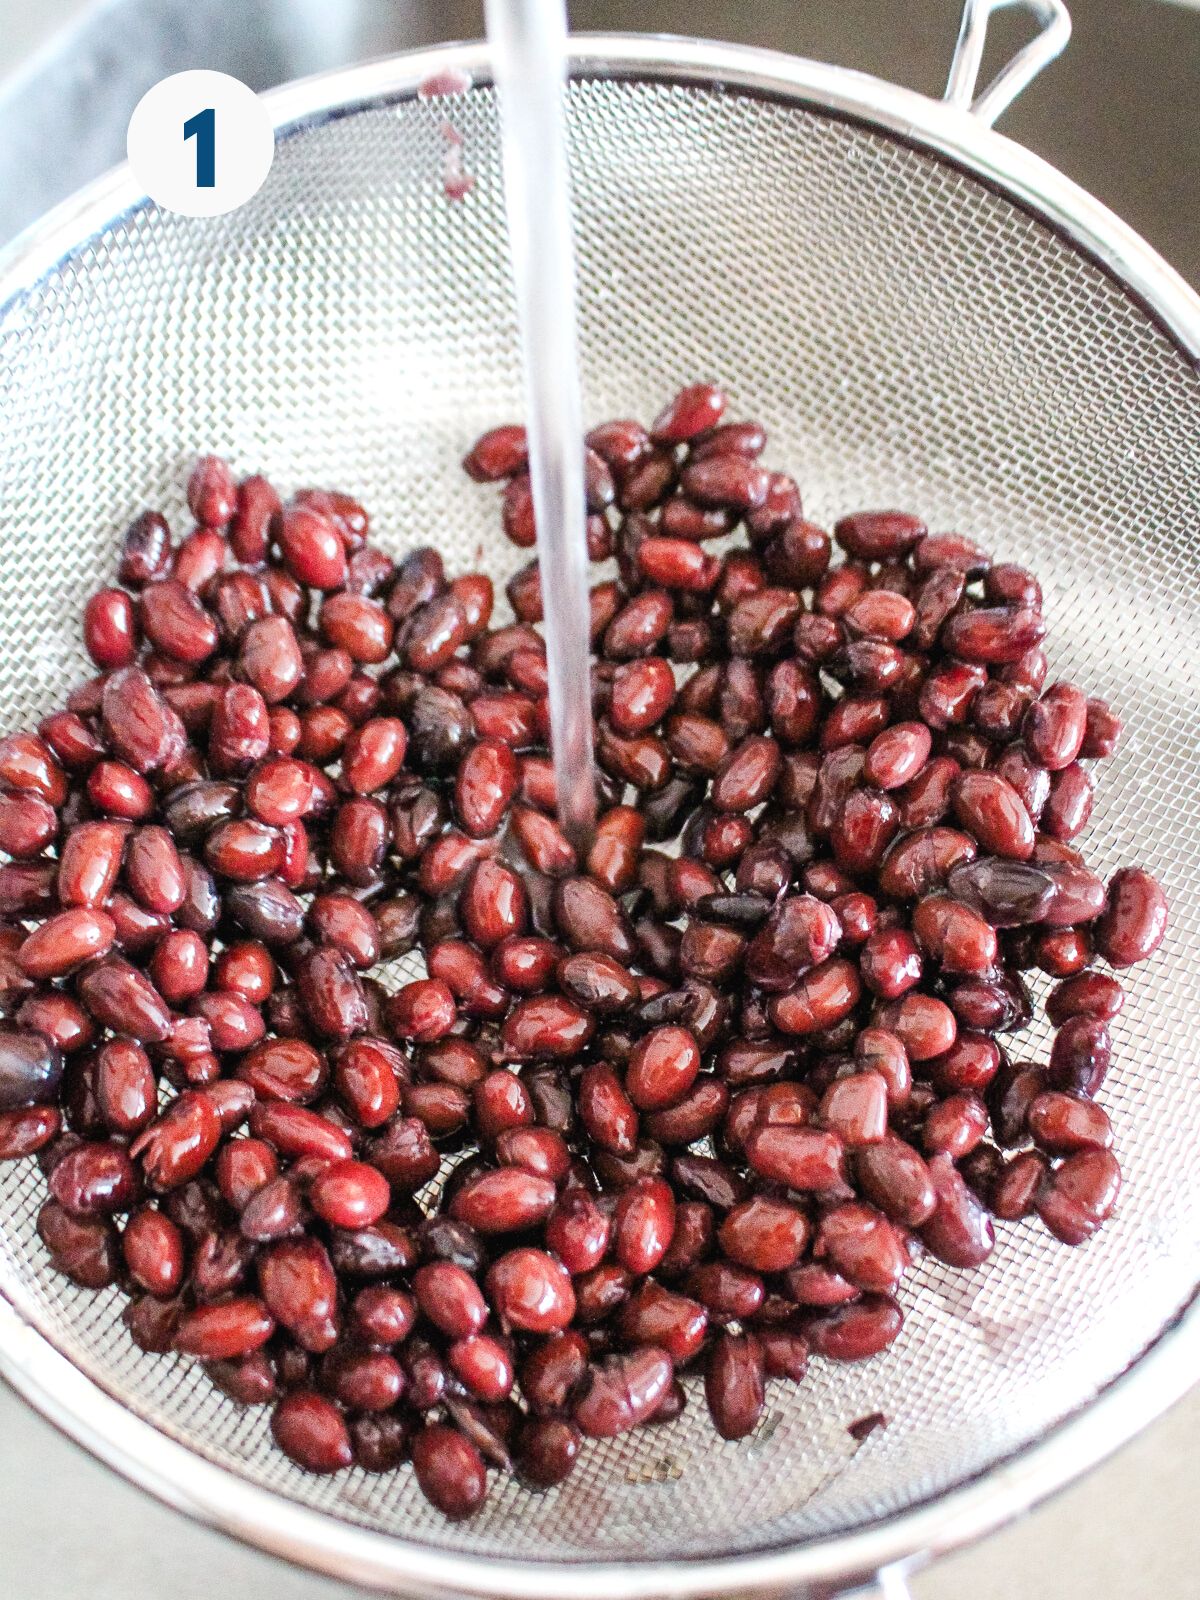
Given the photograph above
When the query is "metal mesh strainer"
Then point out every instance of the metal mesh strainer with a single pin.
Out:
(918, 312)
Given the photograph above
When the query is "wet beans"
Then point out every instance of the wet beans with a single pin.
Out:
(839, 815)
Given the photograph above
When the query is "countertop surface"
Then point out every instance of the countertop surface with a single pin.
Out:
(1119, 115)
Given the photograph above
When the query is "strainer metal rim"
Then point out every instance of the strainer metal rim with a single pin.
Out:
(86, 1411)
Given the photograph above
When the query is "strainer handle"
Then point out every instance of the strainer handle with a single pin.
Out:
(1054, 29)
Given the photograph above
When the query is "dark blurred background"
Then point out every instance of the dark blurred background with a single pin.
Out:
(1117, 112)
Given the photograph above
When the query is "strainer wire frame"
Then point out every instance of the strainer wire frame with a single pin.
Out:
(89, 1414)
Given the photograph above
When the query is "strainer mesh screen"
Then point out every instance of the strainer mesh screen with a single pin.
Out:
(909, 338)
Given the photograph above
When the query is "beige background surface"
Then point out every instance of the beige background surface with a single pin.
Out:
(71, 1530)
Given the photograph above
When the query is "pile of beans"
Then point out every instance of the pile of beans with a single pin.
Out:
(698, 1097)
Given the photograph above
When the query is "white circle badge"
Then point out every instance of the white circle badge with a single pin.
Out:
(200, 143)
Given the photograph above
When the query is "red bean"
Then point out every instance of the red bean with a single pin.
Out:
(27, 887)
(673, 1322)
(547, 1449)
(1067, 811)
(450, 1298)
(924, 1025)
(1079, 1195)
(897, 755)
(1080, 1054)
(643, 1224)
(312, 1431)
(145, 551)
(84, 1248)
(296, 1131)
(66, 941)
(543, 1028)
(506, 1201)
(856, 1108)
(821, 999)
(374, 754)
(120, 997)
(1102, 731)
(623, 1392)
(27, 825)
(531, 1291)
(1135, 918)
(175, 1147)
(539, 1151)
(1054, 726)
(693, 412)
(955, 1125)
(27, 1130)
(141, 728)
(1006, 893)
(734, 1385)
(126, 1091)
(677, 564)
(1063, 1123)
(923, 860)
(500, 453)
(960, 1231)
(110, 630)
(954, 936)
(995, 635)
(484, 787)
(298, 1285)
(857, 1331)
(878, 535)
(154, 1252)
(802, 1158)
(994, 814)
(350, 1194)
(800, 933)
(662, 1068)
(863, 1246)
(226, 1330)
(94, 1179)
(1090, 994)
(270, 658)
(891, 962)
(449, 1469)
(897, 1180)
(606, 1111)
(176, 623)
(765, 1235)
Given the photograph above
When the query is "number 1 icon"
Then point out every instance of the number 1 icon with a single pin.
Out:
(203, 127)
